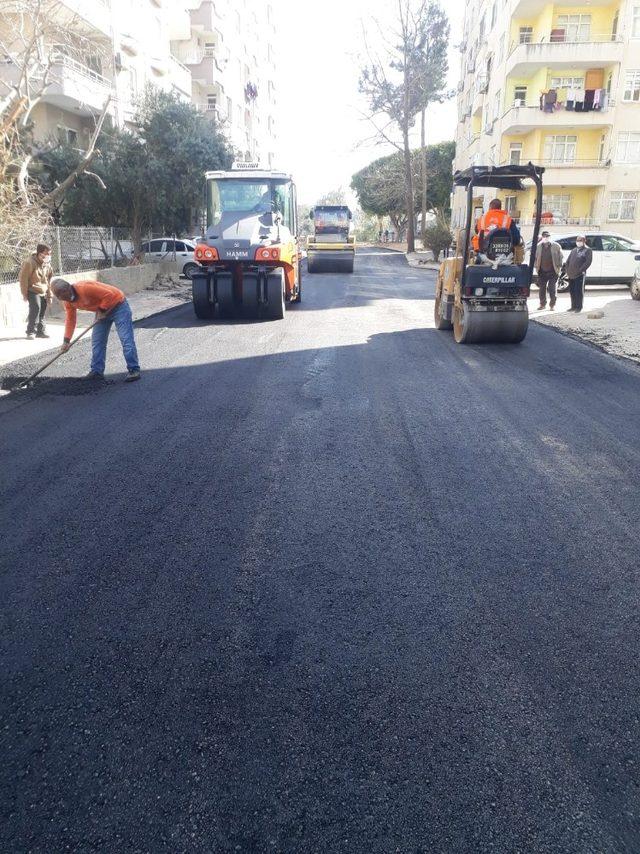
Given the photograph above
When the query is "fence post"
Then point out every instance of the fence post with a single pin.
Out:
(59, 250)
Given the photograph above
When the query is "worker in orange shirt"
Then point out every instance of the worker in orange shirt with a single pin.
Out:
(110, 306)
(495, 218)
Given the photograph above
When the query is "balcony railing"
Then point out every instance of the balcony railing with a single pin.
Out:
(67, 63)
(555, 39)
(573, 164)
(560, 219)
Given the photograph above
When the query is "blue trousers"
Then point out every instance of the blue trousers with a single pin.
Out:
(121, 316)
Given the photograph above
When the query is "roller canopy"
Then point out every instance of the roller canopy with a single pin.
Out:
(498, 177)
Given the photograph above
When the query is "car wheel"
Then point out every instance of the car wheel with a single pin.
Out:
(562, 285)
(635, 288)
(190, 269)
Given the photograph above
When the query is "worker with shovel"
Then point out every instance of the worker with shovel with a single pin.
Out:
(110, 306)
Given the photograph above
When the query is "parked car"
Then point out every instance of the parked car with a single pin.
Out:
(635, 282)
(163, 248)
(614, 258)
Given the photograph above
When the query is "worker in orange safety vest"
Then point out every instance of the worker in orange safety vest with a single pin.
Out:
(494, 218)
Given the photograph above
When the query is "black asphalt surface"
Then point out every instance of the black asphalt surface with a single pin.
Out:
(328, 584)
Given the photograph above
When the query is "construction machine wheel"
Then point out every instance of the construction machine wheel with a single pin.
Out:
(274, 310)
(299, 283)
(250, 302)
(477, 327)
(224, 294)
(440, 321)
(202, 305)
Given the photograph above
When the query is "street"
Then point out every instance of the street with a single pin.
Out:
(332, 584)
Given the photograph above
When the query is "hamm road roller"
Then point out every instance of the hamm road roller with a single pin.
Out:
(332, 247)
(249, 256)
(482, 293)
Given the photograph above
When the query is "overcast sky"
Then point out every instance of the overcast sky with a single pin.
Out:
(321, 133)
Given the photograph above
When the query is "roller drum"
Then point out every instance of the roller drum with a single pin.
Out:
(478, 327)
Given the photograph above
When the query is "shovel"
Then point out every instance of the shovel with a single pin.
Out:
(30, 379)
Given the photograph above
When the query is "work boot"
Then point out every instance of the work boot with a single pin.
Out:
(570, 309)
(42, 334)
(541, 307)
(30, 336)
(132, 376)
(552, 307)
(94, 375)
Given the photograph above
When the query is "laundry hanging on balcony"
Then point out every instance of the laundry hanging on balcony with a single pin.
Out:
(578, 100)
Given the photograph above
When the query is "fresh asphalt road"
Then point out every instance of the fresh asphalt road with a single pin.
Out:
(327, 584)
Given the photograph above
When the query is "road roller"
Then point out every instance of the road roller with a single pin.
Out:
(250, 263)
(332, 246)
(482, 293)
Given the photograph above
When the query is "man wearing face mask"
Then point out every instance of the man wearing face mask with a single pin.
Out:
(578, 263)
(35, 284)
(548, 266)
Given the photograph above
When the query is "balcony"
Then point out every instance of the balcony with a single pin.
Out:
(206, 18)
(179, 75)
(577, 173)
(95, 14)
(213, 111)
(518, 120)
(72, 85)
(599, 51)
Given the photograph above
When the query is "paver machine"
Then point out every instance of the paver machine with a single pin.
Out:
(332, 247)
(249, 257)
(482, 293)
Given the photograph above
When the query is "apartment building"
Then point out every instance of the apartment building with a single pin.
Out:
(101, 48)
(230, 52)
(220, 55)
(559, 85)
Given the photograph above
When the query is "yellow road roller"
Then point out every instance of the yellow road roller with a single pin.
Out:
(482, 292)
(332, 247)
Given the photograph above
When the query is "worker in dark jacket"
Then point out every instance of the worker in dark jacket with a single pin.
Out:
(578, 263)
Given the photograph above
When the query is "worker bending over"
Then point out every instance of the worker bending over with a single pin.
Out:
(110, 306)
(495, 218)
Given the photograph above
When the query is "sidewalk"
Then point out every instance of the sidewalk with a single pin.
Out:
(166, 292)
(614, 326)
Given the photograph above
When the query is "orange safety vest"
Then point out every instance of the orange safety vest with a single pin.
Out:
(489, 221)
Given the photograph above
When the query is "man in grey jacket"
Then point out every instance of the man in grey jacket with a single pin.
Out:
(548, 265)
(578, 263)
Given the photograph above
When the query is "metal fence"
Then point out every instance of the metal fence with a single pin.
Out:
(75, 249)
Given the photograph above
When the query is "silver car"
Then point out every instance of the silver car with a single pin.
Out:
(163, 249)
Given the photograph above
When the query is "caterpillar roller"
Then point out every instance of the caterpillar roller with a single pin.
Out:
(482, 292)
(250, 263)
(332, 247)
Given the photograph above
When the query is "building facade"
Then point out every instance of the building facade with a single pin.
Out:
(220, 55)
(229, 48)
(558, 85)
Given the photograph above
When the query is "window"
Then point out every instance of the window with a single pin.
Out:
(635, 22)
(567, 83)
(155, 246)
(501, 49)
(558, 204)
(515, 153)
(613, 244)
(567, 243)
(601, 149)
(632, 86)
(628, 147)
(493, 16)
(560, 148)
(520, 96)
(622, 206)
(577, 28)
(180, 247)
(510, 203)
(67, 136)
(526, 35)
(481, 31)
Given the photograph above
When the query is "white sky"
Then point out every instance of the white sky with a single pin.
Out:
(321, 133)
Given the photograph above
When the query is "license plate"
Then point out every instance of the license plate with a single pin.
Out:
(235, 254)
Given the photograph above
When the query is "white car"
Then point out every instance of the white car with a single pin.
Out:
(614, 258)
(163, 248)
(635, 283)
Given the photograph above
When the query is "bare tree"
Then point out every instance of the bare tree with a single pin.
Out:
(401, 77)
(36, 38)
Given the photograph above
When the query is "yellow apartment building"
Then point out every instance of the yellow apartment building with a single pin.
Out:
(559, 85)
